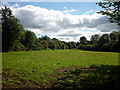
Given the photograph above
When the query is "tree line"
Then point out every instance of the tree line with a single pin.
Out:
(106, 42)
(16, 38)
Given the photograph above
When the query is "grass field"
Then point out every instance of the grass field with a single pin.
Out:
(35, 68)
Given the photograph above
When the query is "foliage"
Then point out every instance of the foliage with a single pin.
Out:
(83, 40)
(30, 39)
(94, 39)
(11, 30)
(107, 42)
(111, 9)
(18, 47)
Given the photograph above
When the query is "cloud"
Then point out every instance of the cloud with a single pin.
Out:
(16, 5)
(89, 11)
(75, 34)
(65, 7)
(59, 24)
(68, 11)
(70, 35)
(107, 27)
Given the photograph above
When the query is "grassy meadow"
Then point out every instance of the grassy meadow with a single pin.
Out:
(38, 69)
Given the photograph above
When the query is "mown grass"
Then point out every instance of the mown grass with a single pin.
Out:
(34, 68)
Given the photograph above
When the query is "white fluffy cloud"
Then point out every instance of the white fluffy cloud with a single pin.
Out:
(62, 25)
(90, 11)
(68, 11)
(15, 5)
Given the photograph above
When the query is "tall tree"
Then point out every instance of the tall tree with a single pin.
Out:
(83, 40)
(104, 39)
(94, 39)
(11, 30)
(73, 44)
(104, 42)
(114, 41)
(30, 40)
(112, 9)
(54, 44)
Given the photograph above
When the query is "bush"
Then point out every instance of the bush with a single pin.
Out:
(18, 47)
(86, 47)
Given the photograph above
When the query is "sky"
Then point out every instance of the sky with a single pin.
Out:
(52, 0)
(67, 21)
(58, 0)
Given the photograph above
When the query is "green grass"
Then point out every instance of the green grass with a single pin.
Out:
(33, 68)
(101, 77)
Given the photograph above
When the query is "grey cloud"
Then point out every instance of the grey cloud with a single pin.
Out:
(70, 35)
(64, 38)
(108, 27)
(96, 22)
(101, 24)
(25, 17)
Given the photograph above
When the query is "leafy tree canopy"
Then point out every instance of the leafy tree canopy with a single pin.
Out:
(111, 9)
(11, 29)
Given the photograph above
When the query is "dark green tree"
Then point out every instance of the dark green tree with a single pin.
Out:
(104, 39)
(114, 36)
(73, 44)
(94, 39)
(55, 44)
(46, 38)
(104, 42)
(69, 45)
(62, 45)
(30, 40)
(114, 41)
(83, 40)
(11, 30)
(45, 44)
(111, 9)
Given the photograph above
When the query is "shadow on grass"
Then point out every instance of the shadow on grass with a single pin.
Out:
(93, 77)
